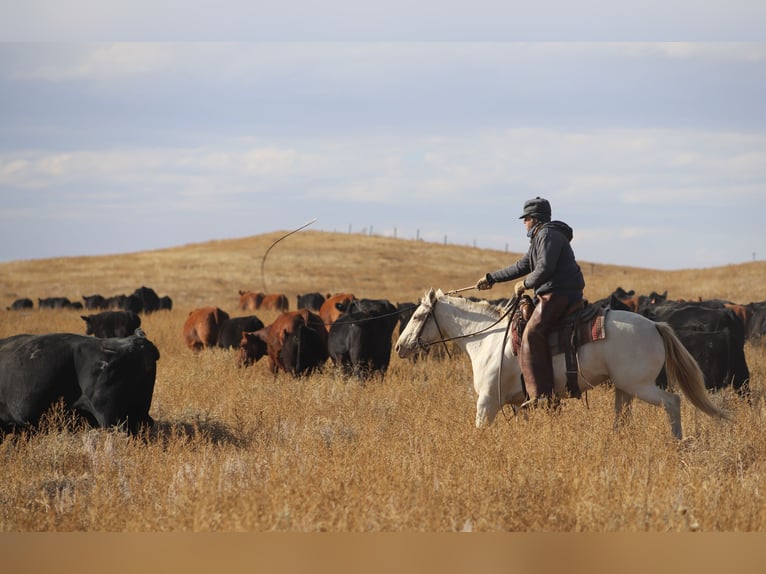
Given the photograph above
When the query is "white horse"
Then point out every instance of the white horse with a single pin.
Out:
(631, 356)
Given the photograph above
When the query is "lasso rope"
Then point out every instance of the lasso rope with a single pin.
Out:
(263, 258)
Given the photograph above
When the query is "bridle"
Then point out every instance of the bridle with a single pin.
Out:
(509, 309)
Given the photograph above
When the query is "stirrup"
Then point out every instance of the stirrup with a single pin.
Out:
(550, 402)
(530, 403)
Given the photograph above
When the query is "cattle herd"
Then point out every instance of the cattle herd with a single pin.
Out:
(142, 300)
(107, 375)
(354, 334)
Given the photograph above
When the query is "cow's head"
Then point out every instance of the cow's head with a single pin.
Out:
(252, 347)
(88, 324)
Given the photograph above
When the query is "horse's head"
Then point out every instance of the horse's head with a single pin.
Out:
(419, 332)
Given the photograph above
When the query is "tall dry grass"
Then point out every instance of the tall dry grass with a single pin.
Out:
(241, 450)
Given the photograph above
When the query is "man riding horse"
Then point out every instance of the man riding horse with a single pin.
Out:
(554, 275)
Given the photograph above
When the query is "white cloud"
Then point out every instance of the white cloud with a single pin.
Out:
(672, 166)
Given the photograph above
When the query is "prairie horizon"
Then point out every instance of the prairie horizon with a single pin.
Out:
(327, 261)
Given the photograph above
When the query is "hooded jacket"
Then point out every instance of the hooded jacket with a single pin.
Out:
(550, 263)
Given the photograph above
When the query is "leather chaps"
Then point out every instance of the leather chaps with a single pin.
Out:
(535, 354)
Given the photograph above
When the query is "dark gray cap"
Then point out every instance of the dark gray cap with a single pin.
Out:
(538, 208)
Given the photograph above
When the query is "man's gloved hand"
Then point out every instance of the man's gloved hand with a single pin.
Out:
(519, 288)
(483, 284)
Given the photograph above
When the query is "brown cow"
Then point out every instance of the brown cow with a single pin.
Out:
(334, 306)
(251, 300)
(269, 340)
(201, 327)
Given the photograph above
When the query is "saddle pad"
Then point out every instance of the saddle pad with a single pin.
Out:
(589, 330)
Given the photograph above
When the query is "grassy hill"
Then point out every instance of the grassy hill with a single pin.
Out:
(370, 266)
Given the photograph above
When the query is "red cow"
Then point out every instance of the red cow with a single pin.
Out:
(270, 340)
(275, 301)
(201, 327)
(334, 306)
(250, 301)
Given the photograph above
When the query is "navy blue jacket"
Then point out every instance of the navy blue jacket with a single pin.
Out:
(550, 263)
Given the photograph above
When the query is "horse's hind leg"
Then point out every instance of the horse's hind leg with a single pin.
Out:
(654, 395)
(622, 402)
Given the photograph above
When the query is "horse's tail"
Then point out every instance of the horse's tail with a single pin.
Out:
(683, 371)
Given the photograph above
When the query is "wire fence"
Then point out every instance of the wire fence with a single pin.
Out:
(394, 234)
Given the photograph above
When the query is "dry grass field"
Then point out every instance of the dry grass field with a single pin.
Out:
(241, 450)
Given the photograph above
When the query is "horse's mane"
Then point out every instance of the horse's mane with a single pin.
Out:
(482, 307)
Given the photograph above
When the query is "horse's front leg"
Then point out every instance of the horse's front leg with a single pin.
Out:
(487, 408)
(622, 403)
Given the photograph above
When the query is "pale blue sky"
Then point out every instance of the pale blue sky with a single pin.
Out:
(120, 133)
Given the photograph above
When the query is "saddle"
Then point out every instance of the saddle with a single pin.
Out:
(581, 324)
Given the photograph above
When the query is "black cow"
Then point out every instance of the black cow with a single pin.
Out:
(21, 304)
(54, 303)
(111, 323)
(711, 350)
(310, 301)
(709, 317)
(150, 301)
(108, 381)
(755, 327)
(304, 350)
(94, 302)
(713, 334)
(166, 303)
(230, 331)
(359, 341)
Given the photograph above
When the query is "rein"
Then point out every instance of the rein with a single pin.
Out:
(373, 318)
(510, 308)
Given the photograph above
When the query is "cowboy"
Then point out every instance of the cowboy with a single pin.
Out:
(554, 275)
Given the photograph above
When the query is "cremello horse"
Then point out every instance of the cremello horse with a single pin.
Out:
(631, 356)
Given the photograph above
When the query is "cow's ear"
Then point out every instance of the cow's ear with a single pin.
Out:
(262, 334)
(85, 318)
